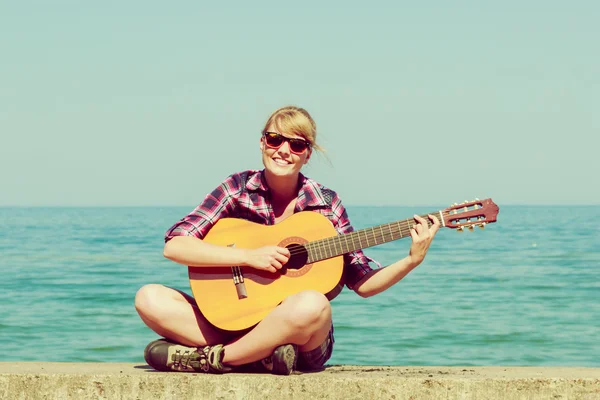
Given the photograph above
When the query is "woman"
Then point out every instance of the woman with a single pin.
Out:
(298, 333)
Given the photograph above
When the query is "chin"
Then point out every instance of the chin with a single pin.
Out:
(282, 171)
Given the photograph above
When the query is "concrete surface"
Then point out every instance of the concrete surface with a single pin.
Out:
(32, 381)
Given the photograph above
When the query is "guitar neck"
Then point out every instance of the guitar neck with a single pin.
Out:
(342, 244)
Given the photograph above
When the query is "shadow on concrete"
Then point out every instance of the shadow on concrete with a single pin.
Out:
(145, 366)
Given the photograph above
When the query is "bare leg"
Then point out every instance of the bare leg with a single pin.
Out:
(303, 319)
(175, 315)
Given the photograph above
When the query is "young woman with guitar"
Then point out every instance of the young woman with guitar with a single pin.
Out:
(292, 332)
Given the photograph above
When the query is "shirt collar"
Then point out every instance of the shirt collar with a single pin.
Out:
(309, 195)
(257, 182)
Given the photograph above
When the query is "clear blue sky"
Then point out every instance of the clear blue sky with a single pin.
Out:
(154, 103)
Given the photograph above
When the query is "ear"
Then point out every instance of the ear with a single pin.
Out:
(308, 156)
(262, 144)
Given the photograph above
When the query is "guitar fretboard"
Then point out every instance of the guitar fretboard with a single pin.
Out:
(336, 246)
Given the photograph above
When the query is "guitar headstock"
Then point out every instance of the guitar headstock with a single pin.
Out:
(470, 214)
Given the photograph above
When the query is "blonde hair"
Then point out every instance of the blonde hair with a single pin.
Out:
(295, 120)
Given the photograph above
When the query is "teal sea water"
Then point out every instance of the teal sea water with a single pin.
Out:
(526, 291)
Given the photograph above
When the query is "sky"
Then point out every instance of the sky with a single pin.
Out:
(131, 103)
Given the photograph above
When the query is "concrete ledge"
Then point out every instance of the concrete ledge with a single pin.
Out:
(34, 381)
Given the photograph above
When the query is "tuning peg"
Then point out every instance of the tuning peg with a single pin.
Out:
(460, 229)
(482, 225)
(471, 228)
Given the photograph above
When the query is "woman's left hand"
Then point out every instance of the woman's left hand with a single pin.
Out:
(422, 235)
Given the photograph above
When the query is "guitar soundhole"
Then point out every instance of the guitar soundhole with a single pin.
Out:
(298, 258)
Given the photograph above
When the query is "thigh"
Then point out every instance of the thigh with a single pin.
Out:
(157, 298)
(311, 313)
(180, 295)
(174, 314)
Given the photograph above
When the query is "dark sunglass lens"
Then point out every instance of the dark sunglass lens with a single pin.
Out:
(298, 146)
(273, 139)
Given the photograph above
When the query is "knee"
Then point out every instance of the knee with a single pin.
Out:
(147, 299)
(309, 309)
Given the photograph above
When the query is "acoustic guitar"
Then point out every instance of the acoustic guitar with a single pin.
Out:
(237, 298)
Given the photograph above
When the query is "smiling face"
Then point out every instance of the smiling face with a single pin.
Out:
(282, 161)
(293, 123)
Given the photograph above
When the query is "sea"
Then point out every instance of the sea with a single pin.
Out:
(525, 291)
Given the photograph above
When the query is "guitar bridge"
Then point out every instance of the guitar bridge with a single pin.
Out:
(238, 280)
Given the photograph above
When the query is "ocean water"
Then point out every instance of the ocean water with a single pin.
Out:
(525, 291)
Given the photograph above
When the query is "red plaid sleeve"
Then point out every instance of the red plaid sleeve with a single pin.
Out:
(216, 205)
(356, 264)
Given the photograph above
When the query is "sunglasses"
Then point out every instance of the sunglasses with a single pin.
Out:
(275, 140)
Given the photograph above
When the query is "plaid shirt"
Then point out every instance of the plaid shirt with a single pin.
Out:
(245, 195)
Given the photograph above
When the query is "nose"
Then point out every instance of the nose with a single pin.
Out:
(285, 147)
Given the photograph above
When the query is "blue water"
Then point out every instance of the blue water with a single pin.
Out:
(526, 291)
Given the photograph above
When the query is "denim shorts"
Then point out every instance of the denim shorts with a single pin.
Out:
(315, 359)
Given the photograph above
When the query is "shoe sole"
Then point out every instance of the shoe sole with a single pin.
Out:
(284, 359)
(148, 351)
(149, 347)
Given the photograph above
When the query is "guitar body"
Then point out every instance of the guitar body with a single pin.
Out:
(215, 290)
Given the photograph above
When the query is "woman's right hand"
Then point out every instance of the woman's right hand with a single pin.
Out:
(268, 258)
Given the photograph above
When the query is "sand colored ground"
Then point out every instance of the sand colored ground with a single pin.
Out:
(133, 381)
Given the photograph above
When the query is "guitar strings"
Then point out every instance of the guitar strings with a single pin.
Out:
(324, 245)
(401, 227)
